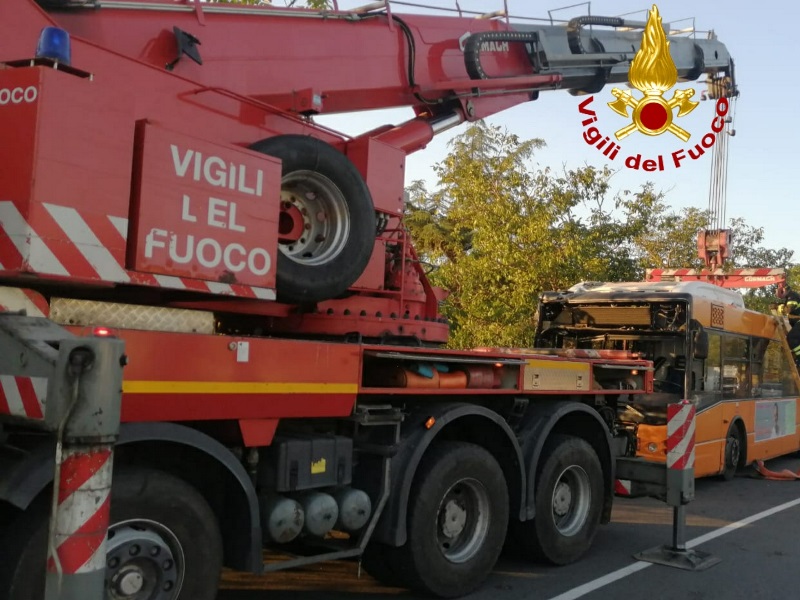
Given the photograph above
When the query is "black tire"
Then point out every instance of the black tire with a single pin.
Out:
(569, 502)
(151, 512)
(734, 453)
(457, 519)
(319, 179)
(23, 547)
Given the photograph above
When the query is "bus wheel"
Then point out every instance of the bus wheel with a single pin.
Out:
(734, 452)
(569, 500)
(457, 519)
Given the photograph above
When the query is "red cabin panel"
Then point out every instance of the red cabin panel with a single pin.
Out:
(63, 180)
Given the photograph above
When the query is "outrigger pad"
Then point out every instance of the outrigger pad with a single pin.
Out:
(689, 560)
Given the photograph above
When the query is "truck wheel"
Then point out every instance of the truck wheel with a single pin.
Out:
(457, 519)
(569, 500)
(733, 453)
(326, 222)
(163, 543)
(163, 529)
(23, 546)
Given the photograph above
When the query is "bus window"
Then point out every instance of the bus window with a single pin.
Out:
(787, 372)
(712, 379)
(735, 367)
(776, 379)
(757, 366)
(772, 386)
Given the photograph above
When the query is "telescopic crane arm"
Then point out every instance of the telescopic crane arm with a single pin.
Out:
(329, 62)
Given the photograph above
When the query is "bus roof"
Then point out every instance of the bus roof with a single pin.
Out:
(696, 289)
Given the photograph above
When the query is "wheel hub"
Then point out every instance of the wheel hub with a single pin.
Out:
(130, 581)
(455, 518)
(562, 499)
(291, 221)
(463, 520)
(144, 561)
(571, 500)
(734, 450)
(315, 221)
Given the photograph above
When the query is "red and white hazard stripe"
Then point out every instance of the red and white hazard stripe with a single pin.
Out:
(91, 247)
(17, 299)
(82, 515)
(680, 435)
(28, 244)
(622, 487)
(23, 396)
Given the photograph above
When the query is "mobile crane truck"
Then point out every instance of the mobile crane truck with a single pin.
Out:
(162, 180)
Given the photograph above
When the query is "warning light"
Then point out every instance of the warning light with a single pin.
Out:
(54, 44)
(430, 422)
(635, 372)
(102, 332)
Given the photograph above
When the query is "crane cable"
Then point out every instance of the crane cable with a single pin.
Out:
(717, 193)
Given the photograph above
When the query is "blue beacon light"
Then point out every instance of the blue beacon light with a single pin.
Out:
(54, 44)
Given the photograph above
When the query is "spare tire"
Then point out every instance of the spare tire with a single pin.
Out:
(327, 219)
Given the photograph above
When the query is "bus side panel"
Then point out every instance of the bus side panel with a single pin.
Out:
(767, 443)
(710, 441)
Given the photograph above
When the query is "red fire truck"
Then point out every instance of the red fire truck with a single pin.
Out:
(163, 180)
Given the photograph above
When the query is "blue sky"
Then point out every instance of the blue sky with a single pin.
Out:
(763, 160)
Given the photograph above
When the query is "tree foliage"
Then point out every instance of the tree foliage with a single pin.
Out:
(497, 232)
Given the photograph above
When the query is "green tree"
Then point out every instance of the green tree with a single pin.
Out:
(474, 229)
(497, 232)
(660, 237)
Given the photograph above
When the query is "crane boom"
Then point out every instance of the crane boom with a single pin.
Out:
(362, 61)
(253, 78)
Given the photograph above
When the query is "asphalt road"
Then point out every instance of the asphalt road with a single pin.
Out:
(759, 555)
